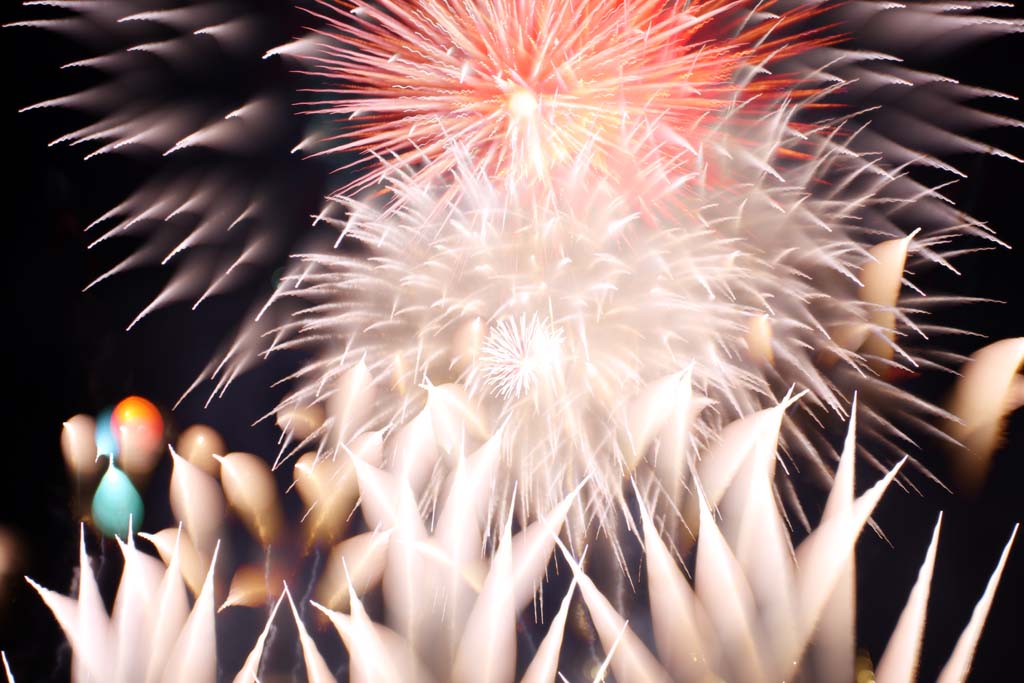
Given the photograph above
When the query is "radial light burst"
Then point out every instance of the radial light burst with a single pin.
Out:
(530, 85)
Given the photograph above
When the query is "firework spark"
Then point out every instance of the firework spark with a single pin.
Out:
(203, 212)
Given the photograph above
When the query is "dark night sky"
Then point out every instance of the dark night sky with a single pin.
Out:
(68, 353)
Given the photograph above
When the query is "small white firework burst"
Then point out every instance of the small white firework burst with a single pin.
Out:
(519, 355)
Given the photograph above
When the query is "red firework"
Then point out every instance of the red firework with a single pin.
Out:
(526, 86)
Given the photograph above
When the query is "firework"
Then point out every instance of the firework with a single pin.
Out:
(528, 86)
(588, 340)
(756, 609)
(174, 92)
(604, 271)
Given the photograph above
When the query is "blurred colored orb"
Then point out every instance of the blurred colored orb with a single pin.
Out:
(106, 441)
(198, 444)
(137, 413)
(140, 434)
(116, 505)
(78, 445)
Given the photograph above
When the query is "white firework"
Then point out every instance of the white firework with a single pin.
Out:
(756, 609)
(595, 332)
(516, 356)
(535, 353)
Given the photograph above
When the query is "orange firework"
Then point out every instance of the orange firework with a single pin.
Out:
(525, 86)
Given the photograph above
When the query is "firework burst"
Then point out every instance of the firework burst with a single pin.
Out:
(589, 341)
(528, 86)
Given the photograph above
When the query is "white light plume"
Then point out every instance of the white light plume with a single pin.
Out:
(754, 611)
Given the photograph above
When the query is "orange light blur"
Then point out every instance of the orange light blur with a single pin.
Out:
(139, 427)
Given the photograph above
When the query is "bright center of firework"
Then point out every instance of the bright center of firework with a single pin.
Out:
(517, 355)
(522, 103)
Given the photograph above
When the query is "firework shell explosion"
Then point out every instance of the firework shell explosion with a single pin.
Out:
(604, 308)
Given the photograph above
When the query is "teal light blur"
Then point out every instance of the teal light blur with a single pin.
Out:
(106, 441)
(115, 502)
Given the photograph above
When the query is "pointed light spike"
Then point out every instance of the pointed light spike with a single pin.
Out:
(132, 614)
(170, 614)
(648, 413)
(387, 502)
(835, 639)
(92, 623)
(251, 491)
(532, 548)
(899, 661)
(249, 673)
(248, 587)
(197, 501)
(377, 654)
(65, 611)
(7, 668)
(363, 558)
(194, 656)
(673, 607)
(630, 658)
(458, 533)
(316, 668)
(173, 545)
(840, 497)
(487, 649)
(738, 441)
(959, 664)
(988, 390)
(364, 665)
(544, 666)
(414, 450)
(352, 402)
(408, 583)
(396, 657)
(758, 537)
(882, 278)
(723, 591)
(674, 439)
(825, 555)
(466, 499)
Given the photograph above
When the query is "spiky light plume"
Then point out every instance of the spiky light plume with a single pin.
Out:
(755, 609)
